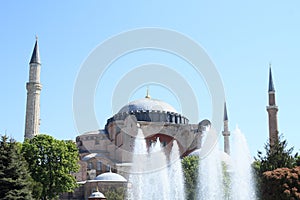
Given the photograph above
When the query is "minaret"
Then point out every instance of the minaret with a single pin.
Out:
(226, 132)
(33, 87)
(272, 110)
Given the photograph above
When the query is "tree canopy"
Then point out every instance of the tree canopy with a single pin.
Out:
(15, 181)
(281, 184)
(190, 169)
(298, 161)
(277, 156)
(51, 162)
(272, 168)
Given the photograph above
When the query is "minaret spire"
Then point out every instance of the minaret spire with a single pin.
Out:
(35, 58)
(33, 86)
(271, 84)
(226, 132)
(272, 110)
(225, 112)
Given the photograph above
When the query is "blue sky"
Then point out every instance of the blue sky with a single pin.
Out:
(241, 38)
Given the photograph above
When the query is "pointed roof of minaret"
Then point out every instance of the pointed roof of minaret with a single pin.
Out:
(271, 84)
(225, 112)
(35, 58)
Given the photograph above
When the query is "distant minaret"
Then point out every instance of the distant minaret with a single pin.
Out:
(272, 110)
(33, 87)
(226, 132)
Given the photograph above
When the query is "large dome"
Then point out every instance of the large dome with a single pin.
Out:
(147, 104)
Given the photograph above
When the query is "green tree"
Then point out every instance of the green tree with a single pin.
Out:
(115, 193)
(276, 157)
(51, 161)
(15, 181)
(298, 161)
(226, 180)
(190, 165)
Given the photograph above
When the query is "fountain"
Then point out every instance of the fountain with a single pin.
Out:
(210, 180)
(242, 176)
(175, 171)
(154, 176)
(137, 178)
(217, 166)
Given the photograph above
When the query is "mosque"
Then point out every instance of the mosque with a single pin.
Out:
(105, 155)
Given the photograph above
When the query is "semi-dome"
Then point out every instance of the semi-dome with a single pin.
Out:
(110, 177)
(147, 104)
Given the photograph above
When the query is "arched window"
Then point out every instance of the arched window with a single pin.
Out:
(107, 168)
(99, 165)
(164, 143)
(90, 165)
(97, 141)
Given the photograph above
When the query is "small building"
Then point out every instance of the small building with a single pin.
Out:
(97, 196)
(105, 182)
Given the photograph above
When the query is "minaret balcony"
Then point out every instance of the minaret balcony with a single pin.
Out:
(32, 86)
(272, 107)
(226, 133)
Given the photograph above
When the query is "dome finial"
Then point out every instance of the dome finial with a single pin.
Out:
(147, 95)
